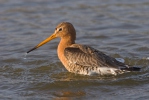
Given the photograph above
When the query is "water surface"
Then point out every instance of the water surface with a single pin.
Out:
(115, 27)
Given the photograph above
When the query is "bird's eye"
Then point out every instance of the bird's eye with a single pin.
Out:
(60, 29)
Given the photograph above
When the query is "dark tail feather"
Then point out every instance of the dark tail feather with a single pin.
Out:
(131, 68)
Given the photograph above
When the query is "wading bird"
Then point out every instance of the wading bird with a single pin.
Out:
(83, 59)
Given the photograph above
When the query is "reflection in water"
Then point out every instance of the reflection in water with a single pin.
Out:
(69, 93)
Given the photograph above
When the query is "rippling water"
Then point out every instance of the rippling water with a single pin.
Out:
(119, 28)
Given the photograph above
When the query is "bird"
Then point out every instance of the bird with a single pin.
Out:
(83, 59)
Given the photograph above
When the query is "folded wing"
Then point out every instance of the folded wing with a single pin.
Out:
(86, 56)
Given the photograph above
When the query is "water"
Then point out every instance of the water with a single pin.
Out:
(118, 28)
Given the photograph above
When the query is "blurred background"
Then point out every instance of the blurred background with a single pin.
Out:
(119, 28)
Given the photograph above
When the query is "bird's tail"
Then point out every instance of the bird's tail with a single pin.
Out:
(131, 68)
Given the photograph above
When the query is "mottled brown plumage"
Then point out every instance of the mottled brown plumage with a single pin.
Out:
(83, 59)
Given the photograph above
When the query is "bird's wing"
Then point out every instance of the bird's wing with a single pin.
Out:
(87, 56)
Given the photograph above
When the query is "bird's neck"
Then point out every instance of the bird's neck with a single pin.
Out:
(64, 43)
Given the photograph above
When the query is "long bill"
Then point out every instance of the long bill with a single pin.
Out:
(53, 36)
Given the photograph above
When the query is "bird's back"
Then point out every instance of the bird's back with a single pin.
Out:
(86, 60)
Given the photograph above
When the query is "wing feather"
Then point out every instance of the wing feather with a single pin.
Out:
(87, 56)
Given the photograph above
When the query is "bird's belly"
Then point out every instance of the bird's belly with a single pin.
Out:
(88, 70)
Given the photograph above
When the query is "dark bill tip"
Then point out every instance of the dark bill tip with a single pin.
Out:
(31, 50)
